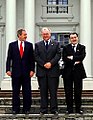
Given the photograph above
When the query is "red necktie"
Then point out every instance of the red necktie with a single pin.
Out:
(21, 50)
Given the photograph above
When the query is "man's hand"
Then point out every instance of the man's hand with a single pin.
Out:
(70, 57)
(47, 65)
(31, 73)
(77, 62)
(9, 73)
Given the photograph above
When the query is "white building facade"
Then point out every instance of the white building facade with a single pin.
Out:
(61, 16)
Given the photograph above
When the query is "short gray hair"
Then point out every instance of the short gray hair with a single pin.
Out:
(45, 28)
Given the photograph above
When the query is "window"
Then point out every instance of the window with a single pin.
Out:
(62, 38)
(52, 2)
(57, 9)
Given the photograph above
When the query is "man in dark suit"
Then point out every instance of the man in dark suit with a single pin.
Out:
(20, 67)
(73, 56)
(47, 56)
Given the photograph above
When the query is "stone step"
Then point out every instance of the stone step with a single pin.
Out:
(36, 93)
(46, 117)
(6, 107)
(36, 108)
(36, 100)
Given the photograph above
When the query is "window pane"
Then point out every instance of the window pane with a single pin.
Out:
(57, 2)
(57, 9)
(60, 2)
(62, 38)
(65, 2)
(54, 36)
(51, 2)
(51, 9)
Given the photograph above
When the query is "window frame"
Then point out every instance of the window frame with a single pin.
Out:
(57, 2)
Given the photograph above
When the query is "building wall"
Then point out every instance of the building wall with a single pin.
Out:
(75, 9)
(92, 35)
(20, 14)
(2, 10)
(2, 38)
(73, 25)
(57, 25)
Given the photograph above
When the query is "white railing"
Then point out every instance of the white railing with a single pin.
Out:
(57, 11)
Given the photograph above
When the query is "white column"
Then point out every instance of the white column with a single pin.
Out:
(10, 21)
(29, 25)
(30, 19)
(85, 32)
(10, 35)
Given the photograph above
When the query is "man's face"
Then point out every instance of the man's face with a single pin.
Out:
(73, 39)
(46, 34)
(23, 36)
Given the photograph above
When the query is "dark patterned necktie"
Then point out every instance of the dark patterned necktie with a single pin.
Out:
(73, 48)
(46, 45)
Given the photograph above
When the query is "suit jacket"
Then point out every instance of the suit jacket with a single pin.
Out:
(20, 66)
(51, 55)
(70, 65)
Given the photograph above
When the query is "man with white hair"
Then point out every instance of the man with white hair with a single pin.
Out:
(47, 55)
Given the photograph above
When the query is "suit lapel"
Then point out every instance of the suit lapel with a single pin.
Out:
(50, 45)
(70, 48)
(25, 48)
(17, 48)
(43, 47)
(78, 47)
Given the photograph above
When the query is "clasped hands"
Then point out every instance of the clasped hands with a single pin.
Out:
(47, 65)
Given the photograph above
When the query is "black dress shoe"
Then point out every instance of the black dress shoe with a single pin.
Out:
(69, 112)
(54, 112)
(79, 111)
(15, 112)
(26, 112)
(43, 112)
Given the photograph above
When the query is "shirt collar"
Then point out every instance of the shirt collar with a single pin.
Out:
(48, 41)
(19, 44)
(19, 41)
(75, 45)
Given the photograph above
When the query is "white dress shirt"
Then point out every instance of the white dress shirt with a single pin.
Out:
(22, 44)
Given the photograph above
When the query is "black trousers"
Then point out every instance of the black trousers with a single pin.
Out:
(25, 82)
(73, 85)
(48, 84)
